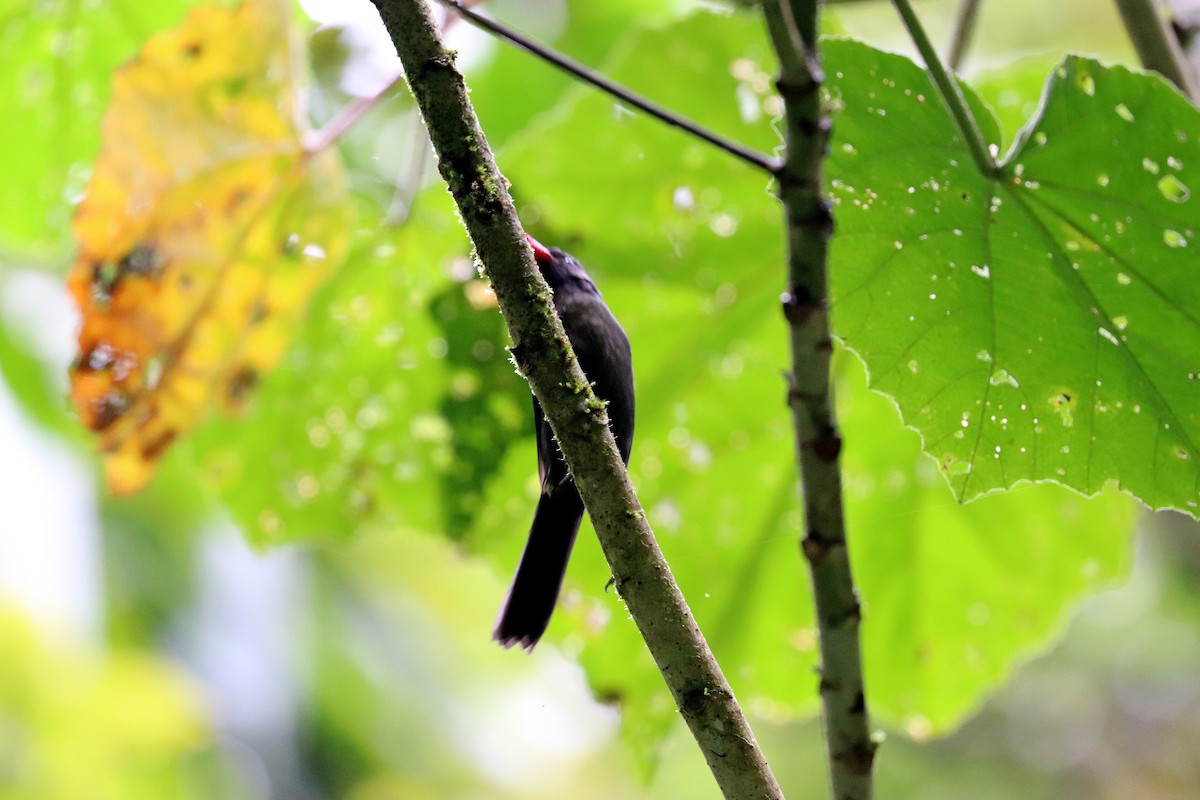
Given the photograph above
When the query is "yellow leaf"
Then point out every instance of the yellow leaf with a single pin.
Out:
(204, 231)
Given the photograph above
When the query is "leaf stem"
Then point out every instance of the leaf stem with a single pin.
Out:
(950, 93)
(544, 356)
(614, 89)
(792, 25)
(1157, 46)
(346, 117)
(964, 32)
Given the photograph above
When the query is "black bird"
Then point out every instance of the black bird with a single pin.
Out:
(602, 348)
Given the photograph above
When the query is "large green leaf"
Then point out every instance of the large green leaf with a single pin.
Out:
(1043, 325)
(346, 435)
(955, 594)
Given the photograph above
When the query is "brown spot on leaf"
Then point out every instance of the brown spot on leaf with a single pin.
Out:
(238, 196)
(108, 409)
(105, 275)
(242, 384)
(144, 259)
(156, 446)
(258, 311)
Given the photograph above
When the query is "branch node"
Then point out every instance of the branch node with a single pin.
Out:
(799, 304)
(696, 701)
(828, 446)
(437, 62)
(858, 758)
(817, 546)
(800, 89)
(818, 217)
(820, 127)
(519, 355)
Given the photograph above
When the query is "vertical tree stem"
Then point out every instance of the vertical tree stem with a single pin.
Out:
(792, 25)
(544, 355)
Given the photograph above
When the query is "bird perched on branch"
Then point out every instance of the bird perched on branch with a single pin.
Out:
(603, 352)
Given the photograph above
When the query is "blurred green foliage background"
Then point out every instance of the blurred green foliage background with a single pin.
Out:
(237, 633)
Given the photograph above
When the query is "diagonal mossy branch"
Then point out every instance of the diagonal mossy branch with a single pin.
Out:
(792, 25)
(544, 356)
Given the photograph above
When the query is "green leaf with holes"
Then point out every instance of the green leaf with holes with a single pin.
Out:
(346, 436)
(1043, 325)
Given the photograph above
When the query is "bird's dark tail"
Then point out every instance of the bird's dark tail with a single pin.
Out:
(534, 591)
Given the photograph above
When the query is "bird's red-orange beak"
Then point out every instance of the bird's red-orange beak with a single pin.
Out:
(540, 253)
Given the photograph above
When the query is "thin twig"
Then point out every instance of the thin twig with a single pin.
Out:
(792, 25)
(614, 89)
(408, 182)
(1157, 46)
(346, 117)
(545, 358)
(964, 32)
(950, 92)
